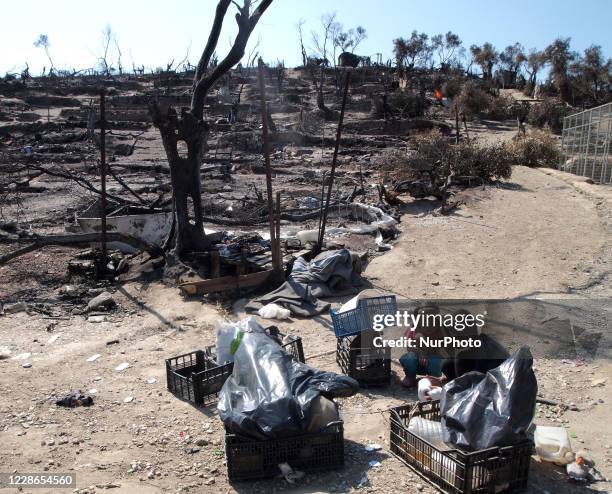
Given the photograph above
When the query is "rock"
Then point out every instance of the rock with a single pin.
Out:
(15, 308)
(419, 487)
(5, 352)
(26, 365)
(96, 319)
(102, 302)
(201, 442)
(69, 291)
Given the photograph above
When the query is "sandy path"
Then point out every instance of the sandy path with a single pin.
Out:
(535, 233)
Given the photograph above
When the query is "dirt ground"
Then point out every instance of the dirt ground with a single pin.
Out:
(494, 246)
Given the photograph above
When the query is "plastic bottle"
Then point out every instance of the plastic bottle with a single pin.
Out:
(553, 444)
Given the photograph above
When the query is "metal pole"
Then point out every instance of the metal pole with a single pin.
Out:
(334, 160)
(266, 153)
(103, 171)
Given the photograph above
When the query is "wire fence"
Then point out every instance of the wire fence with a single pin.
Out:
(585, 147)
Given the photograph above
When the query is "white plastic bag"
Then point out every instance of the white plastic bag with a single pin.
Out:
(427, 391)
(227, 331)
(274, 311)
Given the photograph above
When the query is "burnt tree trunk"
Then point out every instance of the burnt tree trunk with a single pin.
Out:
(184, 174)
(190, 128)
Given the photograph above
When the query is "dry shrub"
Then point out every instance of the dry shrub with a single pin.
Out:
(436, 157)
(536, 149)
(400, 103)
(475, 101)
(502, 108)
(549, 112)
(472, 100)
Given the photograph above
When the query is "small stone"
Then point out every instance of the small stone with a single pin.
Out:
(26, 365)
(419, 487)
(15, 308)
(129, 399)
(51, 442)
(102, 302)
(5, 352)
(121, 367)
(96, 319)
(201, 442)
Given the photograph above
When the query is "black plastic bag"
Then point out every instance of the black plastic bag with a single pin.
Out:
(480, 411)
(272, 395)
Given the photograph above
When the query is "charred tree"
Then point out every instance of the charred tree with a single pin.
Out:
(188, 131)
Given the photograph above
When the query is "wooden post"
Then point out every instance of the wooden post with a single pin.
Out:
(215, 264)
(103, 171)
(266, 153)
(456, 123)
(334, 161)
(279, 256)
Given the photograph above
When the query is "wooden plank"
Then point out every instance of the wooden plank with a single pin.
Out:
(225, 283)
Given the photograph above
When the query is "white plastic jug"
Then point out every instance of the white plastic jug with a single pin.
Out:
(308, 236)
(553, 444)
(429, 430)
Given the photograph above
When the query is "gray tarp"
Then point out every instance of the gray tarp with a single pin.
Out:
(331, 273)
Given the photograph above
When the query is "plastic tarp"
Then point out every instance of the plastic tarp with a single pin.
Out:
(480, 411)
(272, 395)
(331, 273)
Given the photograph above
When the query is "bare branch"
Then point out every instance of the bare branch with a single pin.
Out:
(246, 24)
(213, 39)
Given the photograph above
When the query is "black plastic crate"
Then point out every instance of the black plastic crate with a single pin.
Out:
(490, 471)
(249, 459)
(196, 377)
(369, 366)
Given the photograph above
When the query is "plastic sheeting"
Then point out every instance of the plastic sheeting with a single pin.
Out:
(271, 395)
(331, 273)
(480, 411)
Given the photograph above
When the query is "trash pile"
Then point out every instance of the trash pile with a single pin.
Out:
(268, 396)
(490, 415)
(271, 395)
